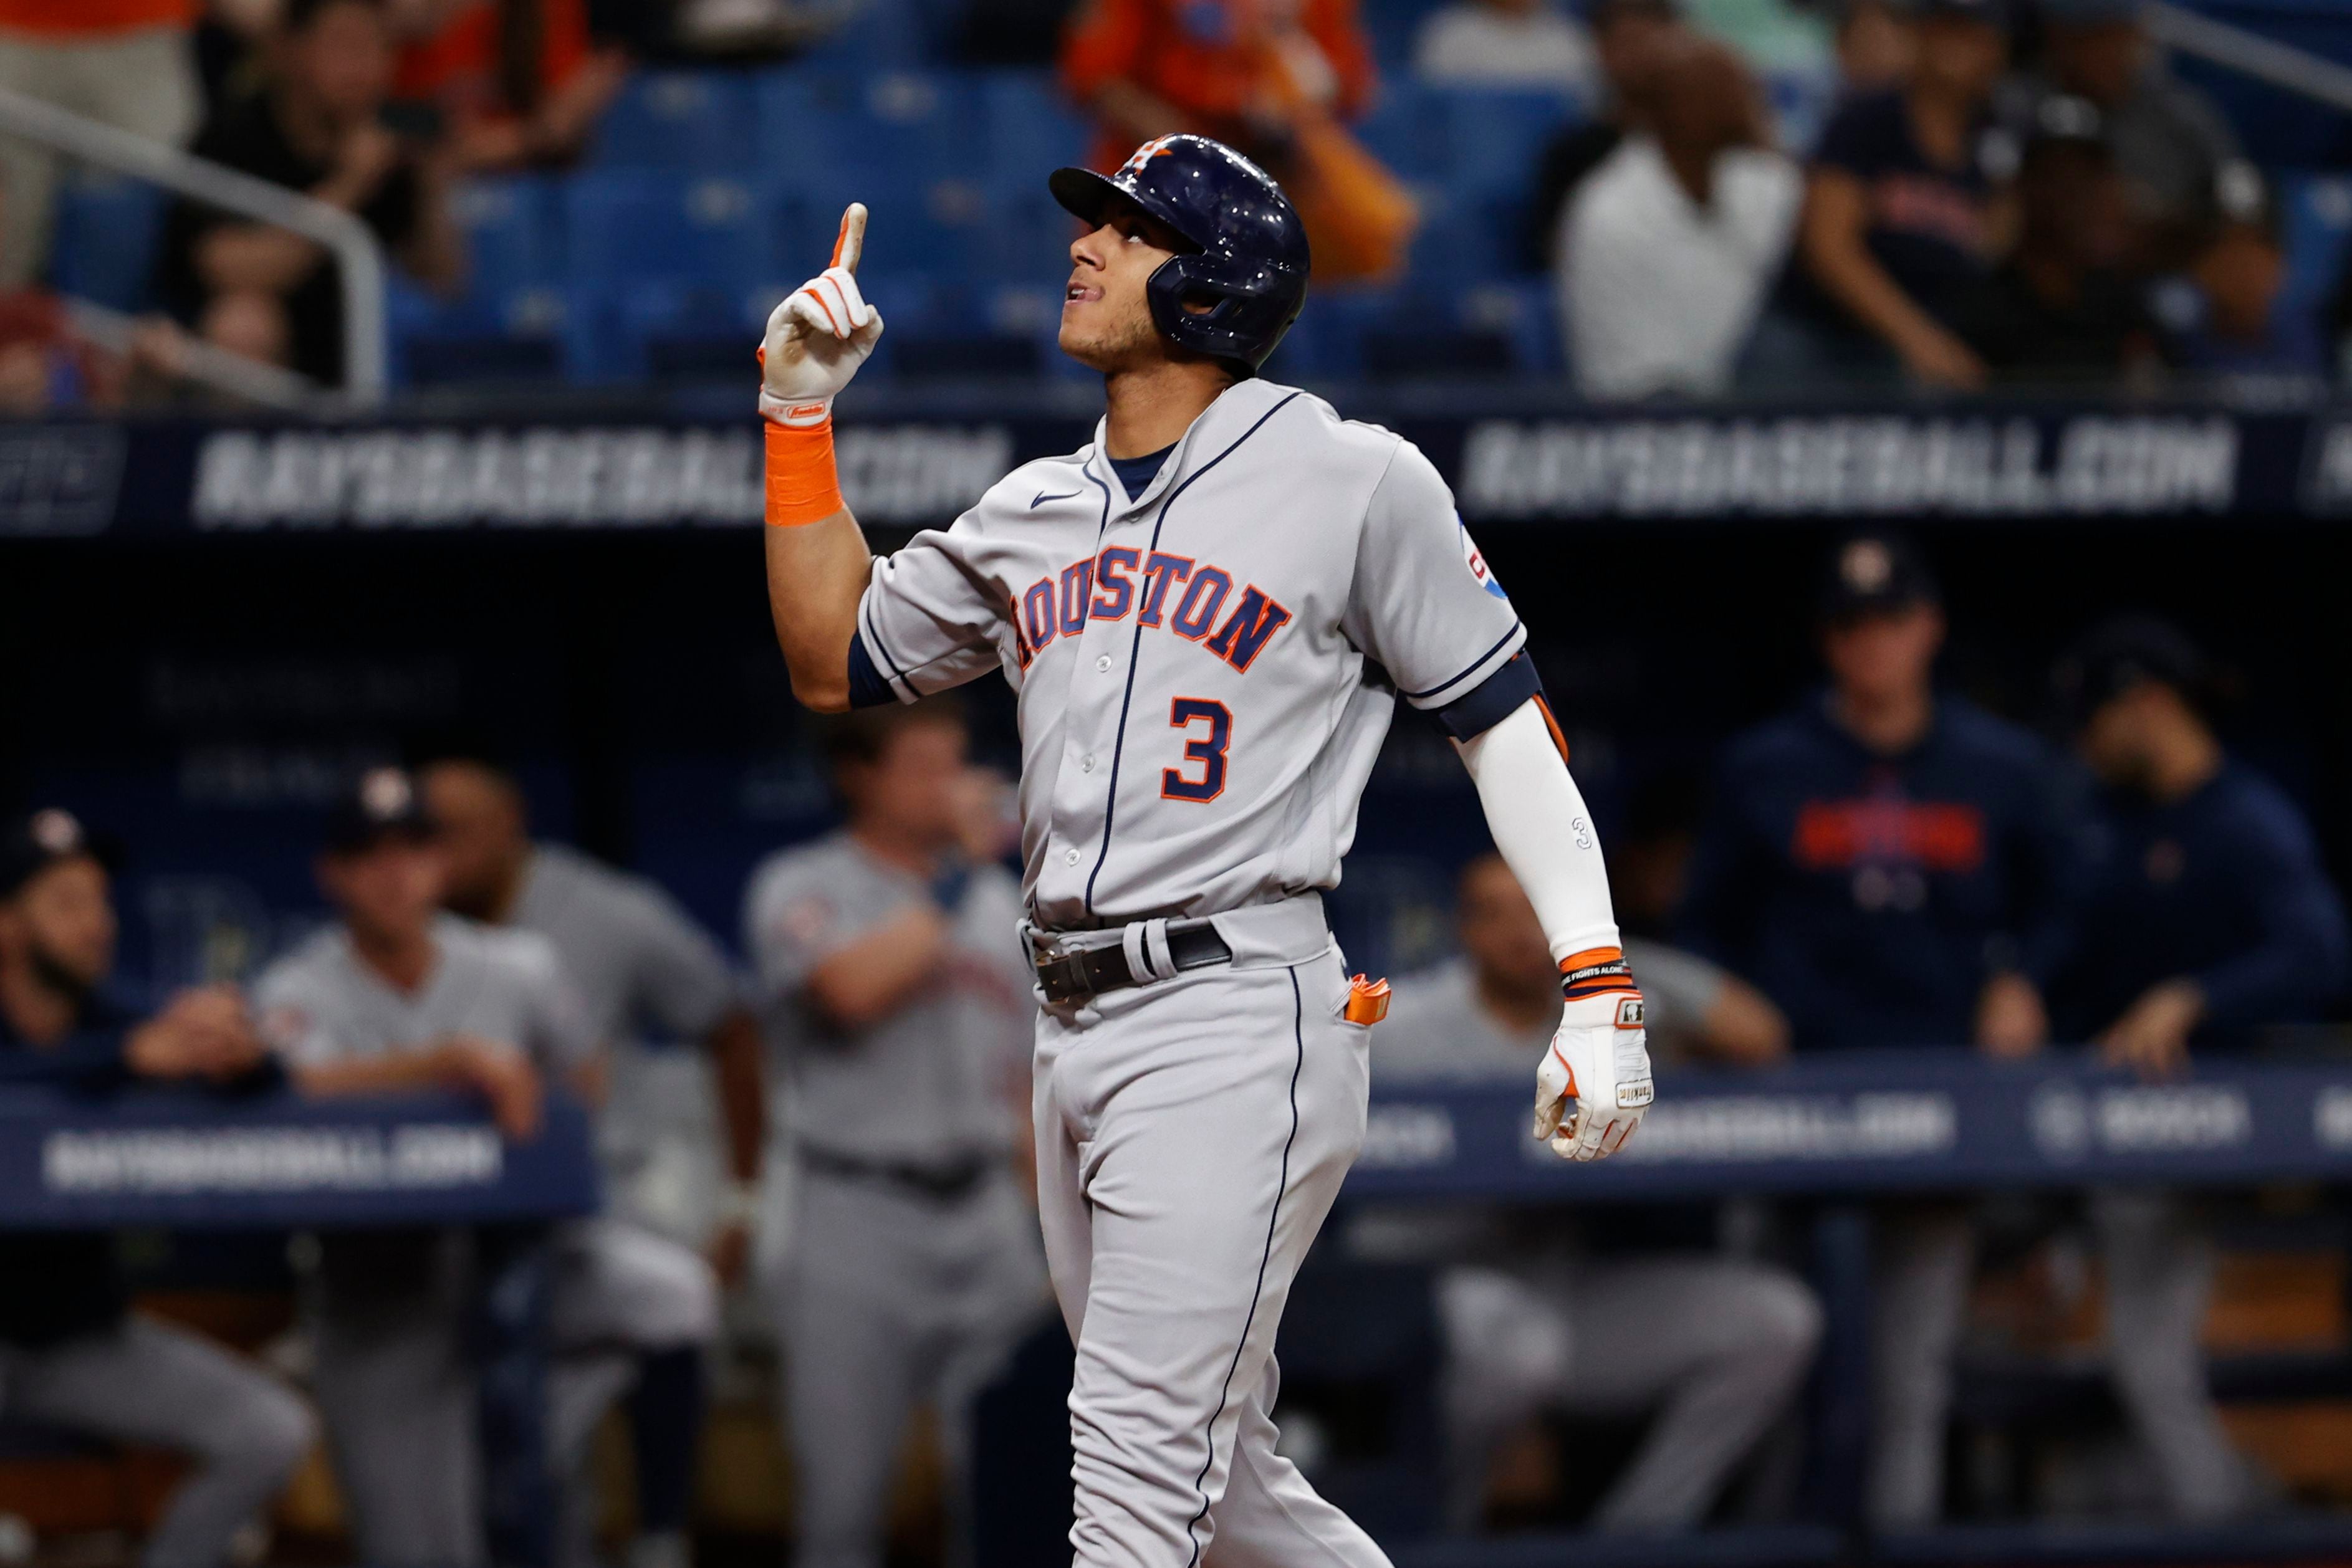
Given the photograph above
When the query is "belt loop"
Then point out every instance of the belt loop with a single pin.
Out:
(1131, 944)
(1162, 962)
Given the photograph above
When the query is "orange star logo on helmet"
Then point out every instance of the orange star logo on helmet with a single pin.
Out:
(1155, 148)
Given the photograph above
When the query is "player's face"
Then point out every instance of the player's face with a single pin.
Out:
(389, 891)
(1500, 933)
(480, 832)
(2114, 741)
(1884, 656)
(1106, 314)
(915, 789)
(63, 922)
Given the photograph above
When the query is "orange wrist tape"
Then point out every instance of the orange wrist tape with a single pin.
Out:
(802, 485)
(1595, 972)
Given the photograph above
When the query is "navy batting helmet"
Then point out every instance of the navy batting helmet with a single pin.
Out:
(1249, 263)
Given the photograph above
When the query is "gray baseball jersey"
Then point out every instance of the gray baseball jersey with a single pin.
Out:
(1205, 670)
(936, 1080)
(645, 970)
(321, 1002)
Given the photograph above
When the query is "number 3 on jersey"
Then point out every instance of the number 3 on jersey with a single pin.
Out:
(1209, 752)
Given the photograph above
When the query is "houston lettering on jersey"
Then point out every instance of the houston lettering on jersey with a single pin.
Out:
(1936, 835)
(1196, 602)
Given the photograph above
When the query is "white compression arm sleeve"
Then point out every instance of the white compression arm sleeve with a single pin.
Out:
(1539, 822)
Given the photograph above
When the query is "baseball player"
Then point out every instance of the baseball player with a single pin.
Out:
(72, 1354)
(645, 970)
(1208, 613)
(396, 995)
(900, 1005)
(1713, 1347)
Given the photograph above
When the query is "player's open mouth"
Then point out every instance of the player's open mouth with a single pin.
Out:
(1077, 291)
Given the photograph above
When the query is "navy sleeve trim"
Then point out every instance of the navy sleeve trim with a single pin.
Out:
(1467, 670)
(868, 686)
(1492, 700)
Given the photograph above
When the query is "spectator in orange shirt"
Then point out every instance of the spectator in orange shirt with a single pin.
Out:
(127, 63)
(517, 83)
(1234, 70)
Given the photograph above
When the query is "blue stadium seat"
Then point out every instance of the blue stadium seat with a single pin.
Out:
(1032, 128)
(1029, 233)
(104, 248)
(1494, 137)
(640, 226)
(680, 119)
(2317, 209)
(1521, 310)
(1405, 132)
(880, 35)
(513, 238)
(891, 131)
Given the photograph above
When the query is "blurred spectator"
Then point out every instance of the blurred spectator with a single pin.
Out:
(43, 364)
(396, 995)
(1226, 69)
(902, 1014)
(1669, 248)
(1875, 45)
(2237, 320)
(513, 83)
(316, 127)
(1898, 214)
(1504, 44)
(649, 977)
(72, 1355)
(2172, 147)
(2208, 917)
(1627, 39)
(124, 63)
(1888, 865)
(2062, 308)
(1710, 1349)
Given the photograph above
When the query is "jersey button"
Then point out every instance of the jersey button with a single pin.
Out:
(1070, 856)
(1087, 763)
(1102, 664)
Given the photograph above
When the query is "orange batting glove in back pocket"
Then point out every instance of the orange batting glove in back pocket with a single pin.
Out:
(1367, 1002)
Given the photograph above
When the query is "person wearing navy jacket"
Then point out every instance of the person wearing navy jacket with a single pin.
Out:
(2207, 920)
(72, 1355)
(1890, 864)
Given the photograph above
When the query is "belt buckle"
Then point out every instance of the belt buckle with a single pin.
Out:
(1061, 975)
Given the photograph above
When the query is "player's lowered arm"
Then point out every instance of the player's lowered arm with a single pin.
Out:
(817, 559)
(1539, 822)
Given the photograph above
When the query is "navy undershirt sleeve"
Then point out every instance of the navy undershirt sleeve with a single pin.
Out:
(1492, 700)
(868, 686)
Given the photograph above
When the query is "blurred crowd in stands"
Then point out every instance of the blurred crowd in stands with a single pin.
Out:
(1952, 194)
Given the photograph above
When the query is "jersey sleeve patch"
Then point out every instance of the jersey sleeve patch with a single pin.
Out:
(1476, 560)
(1492, 700)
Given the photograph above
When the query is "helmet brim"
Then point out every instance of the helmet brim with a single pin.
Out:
(1092, 198)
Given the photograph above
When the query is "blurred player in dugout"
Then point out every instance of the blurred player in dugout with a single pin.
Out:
(396, 995)
(1892, 866)
(892, 985)
(2208, 922)
(645, 974)
(72, 1354)
(1713, 1349)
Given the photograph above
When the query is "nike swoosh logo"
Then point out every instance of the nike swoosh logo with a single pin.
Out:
(1043, 498)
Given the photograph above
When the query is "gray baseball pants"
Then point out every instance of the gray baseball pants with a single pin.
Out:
(888, 1300)
(151, 1383)
(1191, 1138)
(399, 1391)
(1717, 1346)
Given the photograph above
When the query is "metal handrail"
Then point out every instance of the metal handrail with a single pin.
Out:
(271, 386)
(2281, 65)
(353, 246)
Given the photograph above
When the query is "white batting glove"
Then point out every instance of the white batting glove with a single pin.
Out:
(819, 336)
(1594, 1083)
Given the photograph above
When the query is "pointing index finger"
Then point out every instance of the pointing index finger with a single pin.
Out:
(850, 243)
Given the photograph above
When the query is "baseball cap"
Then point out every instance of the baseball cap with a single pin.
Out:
(31, 844)
(1876, 574)
(2118, 655)
(382, 803)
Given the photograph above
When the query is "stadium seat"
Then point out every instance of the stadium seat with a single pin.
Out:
(1494, 139)
(2318, 213)
(430, 360)
(888, 132)
(513, 240)
(104, 248)
(1402, 131)
(638, 226)
(1032, 128)
(680, 119)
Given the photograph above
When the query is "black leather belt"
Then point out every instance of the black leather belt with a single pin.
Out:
(941, 1184)
(1070, 976)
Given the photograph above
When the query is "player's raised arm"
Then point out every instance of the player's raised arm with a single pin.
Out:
(817, 559)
